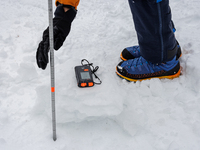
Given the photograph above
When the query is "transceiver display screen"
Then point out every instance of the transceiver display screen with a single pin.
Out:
(85, 75)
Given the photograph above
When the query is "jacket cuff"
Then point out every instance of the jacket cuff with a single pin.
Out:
(73, 3)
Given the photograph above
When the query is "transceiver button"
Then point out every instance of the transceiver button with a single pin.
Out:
(83, 84)
(90, 84)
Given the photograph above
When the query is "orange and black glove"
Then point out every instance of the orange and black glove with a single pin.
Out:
(61, 28)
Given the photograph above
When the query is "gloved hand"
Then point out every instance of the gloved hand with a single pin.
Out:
(61, 28)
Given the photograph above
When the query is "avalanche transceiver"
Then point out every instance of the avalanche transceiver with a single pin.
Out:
(84, 76)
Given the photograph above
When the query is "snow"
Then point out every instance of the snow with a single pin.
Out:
(156, 114)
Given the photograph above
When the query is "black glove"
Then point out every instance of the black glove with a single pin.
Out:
(61, 28)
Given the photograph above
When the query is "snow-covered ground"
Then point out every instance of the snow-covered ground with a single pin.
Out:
(117, 115)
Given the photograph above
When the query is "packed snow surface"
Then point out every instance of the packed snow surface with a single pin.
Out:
(157, 114)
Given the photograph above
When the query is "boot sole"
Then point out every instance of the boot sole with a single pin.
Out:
(160, 77)
(122, 57)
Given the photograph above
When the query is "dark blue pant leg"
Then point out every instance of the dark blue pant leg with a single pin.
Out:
(154, 29)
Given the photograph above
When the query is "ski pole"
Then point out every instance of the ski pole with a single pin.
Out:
(51, 41)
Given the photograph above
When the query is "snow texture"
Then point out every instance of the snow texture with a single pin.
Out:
(157, 114)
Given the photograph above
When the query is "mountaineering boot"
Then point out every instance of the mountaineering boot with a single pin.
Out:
(130, 53)
(134, 52)
(140, 69)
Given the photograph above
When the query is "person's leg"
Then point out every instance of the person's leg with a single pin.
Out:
(158, 46)
(154, 29)
(132, 52)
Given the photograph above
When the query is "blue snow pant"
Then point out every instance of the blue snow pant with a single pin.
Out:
(152, 19)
